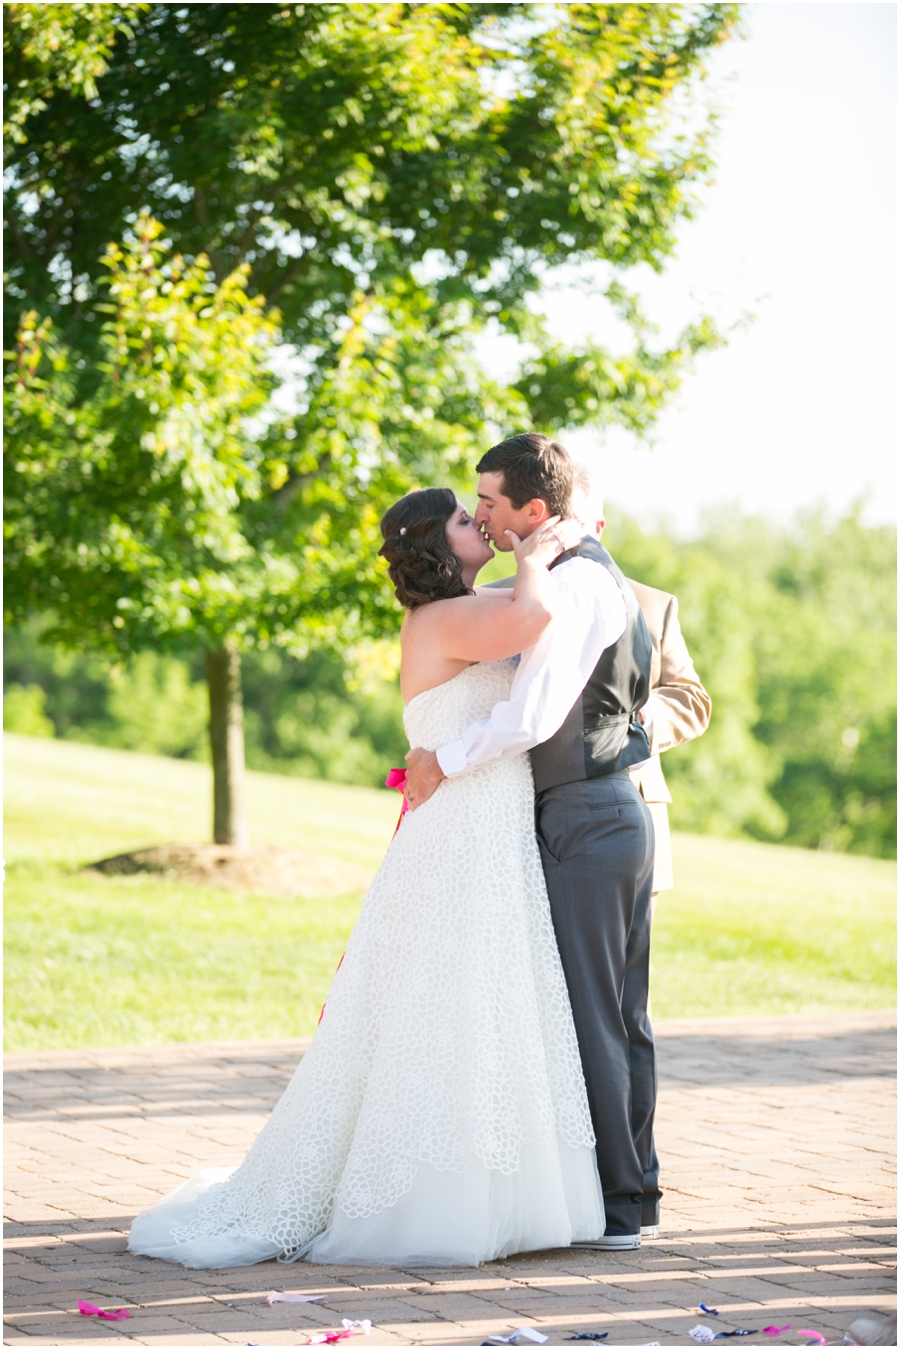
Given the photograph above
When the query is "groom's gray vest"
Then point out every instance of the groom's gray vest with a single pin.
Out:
(601, 735)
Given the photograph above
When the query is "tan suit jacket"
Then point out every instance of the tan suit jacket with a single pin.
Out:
(679, 709)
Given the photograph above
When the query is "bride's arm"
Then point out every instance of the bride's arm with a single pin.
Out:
(490, 627)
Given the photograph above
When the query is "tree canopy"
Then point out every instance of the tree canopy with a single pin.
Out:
(395, 177)
(121, 508)
(445, 154)
(161, 510)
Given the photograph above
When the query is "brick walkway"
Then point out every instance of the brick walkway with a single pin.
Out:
(777, 1140)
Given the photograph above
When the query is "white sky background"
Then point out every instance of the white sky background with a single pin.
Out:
(799, 228)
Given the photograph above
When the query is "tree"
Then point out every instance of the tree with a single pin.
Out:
(53, 47)
(397, 178)
(827, 678)
(121, 508)
(332, 145)
(156, 512)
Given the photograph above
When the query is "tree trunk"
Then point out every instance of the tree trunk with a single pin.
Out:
(226, 737)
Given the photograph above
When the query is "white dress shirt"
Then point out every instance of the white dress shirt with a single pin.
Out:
(588, 616)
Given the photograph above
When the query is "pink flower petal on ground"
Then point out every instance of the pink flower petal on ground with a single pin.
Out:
(88, 1309)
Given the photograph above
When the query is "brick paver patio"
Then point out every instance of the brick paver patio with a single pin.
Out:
(777, 1142)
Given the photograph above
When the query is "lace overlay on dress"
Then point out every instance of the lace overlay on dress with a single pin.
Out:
(447, 1036)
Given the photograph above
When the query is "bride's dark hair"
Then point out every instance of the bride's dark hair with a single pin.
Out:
(421, 564)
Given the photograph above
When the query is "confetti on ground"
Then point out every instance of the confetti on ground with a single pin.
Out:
(88, 1309)
(351, 1328)
(705, 1334)
(526, 1333)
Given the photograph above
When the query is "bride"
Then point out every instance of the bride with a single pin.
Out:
(439, 1116)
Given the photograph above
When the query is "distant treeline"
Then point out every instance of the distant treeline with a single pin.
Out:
(792, 630)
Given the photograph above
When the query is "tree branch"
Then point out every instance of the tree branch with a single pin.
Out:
(289, 272)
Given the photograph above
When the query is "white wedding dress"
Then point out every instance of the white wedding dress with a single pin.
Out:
(439, 1116)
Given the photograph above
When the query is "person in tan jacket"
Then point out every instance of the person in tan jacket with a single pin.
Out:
(678, 708)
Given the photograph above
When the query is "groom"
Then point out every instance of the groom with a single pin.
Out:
(574, 703)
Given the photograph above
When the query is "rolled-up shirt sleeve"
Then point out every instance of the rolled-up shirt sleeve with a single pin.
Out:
(588, 616)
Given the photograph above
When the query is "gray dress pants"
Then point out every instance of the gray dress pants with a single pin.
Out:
(596, 842)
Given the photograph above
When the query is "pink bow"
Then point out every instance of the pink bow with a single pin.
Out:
(396, 778)
(88, 1309)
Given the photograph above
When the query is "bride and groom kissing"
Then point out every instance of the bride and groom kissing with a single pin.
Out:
(483, 1079)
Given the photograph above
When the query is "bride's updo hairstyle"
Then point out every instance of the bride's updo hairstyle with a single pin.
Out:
(421, 564)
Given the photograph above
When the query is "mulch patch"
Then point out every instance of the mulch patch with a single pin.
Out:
(283, 873)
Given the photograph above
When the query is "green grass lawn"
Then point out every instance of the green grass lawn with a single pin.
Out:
(756, 929)
(91, 960)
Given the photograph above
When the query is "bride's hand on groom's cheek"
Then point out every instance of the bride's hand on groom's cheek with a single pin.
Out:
(553, 537)
(423, 777)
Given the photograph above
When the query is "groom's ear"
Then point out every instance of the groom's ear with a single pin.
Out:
(536, 512)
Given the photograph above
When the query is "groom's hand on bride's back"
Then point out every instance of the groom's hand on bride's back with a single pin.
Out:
(423, 776)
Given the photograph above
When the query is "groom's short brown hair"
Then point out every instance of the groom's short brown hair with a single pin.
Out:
(533, 466)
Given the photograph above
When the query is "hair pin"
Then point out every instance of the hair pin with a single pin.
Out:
(403, 530)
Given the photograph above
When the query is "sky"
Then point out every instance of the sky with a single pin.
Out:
(799, 411)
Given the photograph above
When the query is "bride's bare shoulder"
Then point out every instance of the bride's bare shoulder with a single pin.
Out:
(427, 656)
(446, 618)
(440, 611)
(472, 628)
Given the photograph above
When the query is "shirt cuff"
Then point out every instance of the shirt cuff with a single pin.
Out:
(452, 759)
